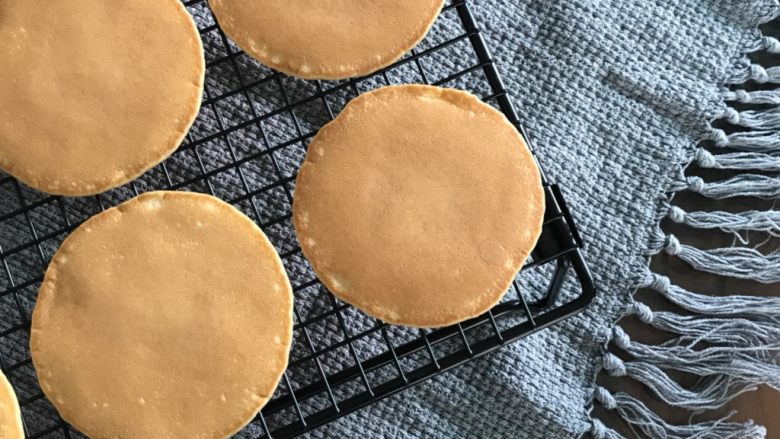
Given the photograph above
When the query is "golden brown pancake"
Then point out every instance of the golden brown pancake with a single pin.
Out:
(168, 316)
(418, 205)
(94, 92)
(331, 39)
(10, 416)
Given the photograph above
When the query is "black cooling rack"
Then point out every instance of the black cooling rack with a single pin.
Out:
(245, 147)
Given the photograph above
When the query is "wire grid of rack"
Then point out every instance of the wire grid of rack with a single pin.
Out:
(245, 147)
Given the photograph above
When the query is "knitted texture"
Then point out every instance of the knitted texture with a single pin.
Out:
(616, 96)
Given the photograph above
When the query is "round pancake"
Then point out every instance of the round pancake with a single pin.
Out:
(10, 416)
(418, 205)
(95, 92)
(332, 39)
(168, 316)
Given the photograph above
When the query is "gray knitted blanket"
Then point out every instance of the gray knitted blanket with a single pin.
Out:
(618, 97)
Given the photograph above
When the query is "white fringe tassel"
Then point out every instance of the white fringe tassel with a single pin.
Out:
(737, 160)
(731, 343)
(637, 415)
(754, 308)
(734, 223)
(738, 262)
(742, 185)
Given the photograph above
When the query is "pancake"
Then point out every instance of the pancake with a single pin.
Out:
(95, 92)
(333, 39)
(10, 416)
(418, 205)
(168, 316)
